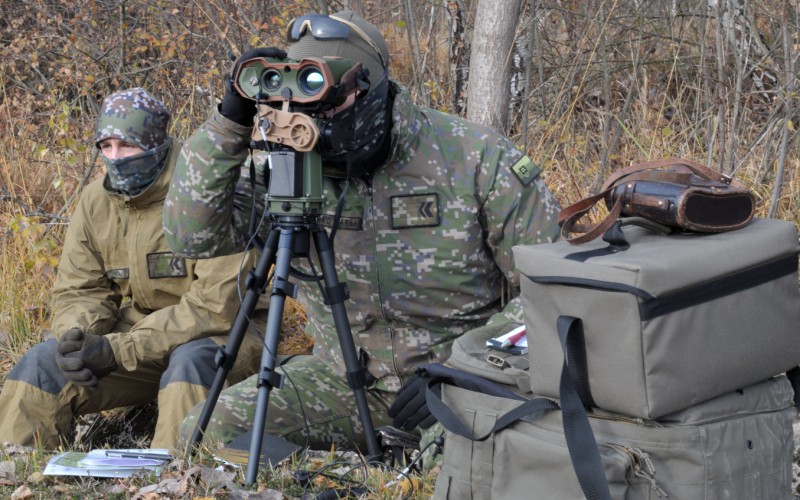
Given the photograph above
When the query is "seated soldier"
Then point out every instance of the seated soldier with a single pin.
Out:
(432, 205)
(134, 321)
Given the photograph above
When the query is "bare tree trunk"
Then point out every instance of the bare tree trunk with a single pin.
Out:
(787, 122)
(413, 45)
(459, 54)
(722, 101)
(122, 55)
(488, 91)
(528, 71)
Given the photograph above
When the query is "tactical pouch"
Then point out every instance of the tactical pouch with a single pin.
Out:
(675, 192)
(471, 355)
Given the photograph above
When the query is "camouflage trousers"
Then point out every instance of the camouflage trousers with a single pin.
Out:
(314, 408)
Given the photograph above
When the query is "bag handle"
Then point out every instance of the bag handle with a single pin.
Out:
(574, 392)
(692, 166)
(568, 219)
(439, 374)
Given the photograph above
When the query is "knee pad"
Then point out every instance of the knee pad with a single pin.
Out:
(38, 368)
(193, 363)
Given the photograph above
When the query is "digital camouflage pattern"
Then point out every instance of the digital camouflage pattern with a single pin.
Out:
(133, 116)
(426, 253)
(315, 408)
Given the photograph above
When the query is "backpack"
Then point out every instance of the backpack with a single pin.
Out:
(503, 442)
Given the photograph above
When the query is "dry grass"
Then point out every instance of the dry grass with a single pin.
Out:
(605, 92)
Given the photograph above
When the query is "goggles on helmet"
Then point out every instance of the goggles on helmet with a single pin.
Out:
(324, 27)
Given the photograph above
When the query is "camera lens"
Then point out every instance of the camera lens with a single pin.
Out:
(310, 80)
(271, 80)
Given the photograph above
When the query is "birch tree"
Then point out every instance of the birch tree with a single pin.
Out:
(488, 92)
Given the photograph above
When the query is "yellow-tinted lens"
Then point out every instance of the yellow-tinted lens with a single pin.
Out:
(311, 80)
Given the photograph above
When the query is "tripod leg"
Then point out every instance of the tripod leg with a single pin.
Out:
(267, 377)
(355, 373)
(256, 281)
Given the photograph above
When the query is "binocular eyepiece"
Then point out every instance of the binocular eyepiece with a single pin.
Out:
(315, 81)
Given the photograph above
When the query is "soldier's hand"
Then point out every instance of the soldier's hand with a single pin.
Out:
(70, 341)
(84, 358)
(235, 107)
(72, 366)
(410, 410)
(69, 361)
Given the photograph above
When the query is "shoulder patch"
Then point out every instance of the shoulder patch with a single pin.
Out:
(526, 171)
(420, 210)
(166, 265)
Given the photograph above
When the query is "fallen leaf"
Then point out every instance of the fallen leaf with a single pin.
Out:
(8, 472)
(214, 478)
(13, 449)
(35, 478)
(22, 493)
(178, 485)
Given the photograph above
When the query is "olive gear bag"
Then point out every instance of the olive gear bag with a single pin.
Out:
(670, 320)
(470, 354)
(736, 446)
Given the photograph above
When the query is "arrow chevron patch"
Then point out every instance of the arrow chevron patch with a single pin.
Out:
(418, 210)
(166, 265)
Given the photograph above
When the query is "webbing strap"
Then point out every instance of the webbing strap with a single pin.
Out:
(441, 374)
(578, 433)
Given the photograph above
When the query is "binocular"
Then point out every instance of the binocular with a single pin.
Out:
(312, 80)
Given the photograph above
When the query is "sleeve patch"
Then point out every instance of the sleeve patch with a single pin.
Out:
(166, 265)
(526, 171)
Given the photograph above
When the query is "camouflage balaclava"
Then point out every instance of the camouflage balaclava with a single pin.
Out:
(369, 118)
(136, 117)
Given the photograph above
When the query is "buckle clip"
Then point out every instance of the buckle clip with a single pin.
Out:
(497, 361)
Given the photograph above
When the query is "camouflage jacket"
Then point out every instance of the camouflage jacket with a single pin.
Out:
(117, 277)
(424, 245)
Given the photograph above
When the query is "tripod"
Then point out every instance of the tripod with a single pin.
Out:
(289, 236)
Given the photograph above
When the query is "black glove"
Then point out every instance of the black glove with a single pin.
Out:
(235, 107)
(410, 409)
(84, 359)
(69, 361)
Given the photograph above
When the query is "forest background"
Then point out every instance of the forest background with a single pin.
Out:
(585, 86)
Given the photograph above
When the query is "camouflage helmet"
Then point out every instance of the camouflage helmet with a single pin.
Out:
(133, 116)
(363, 42)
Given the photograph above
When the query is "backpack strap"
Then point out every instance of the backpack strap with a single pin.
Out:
(574, 392)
